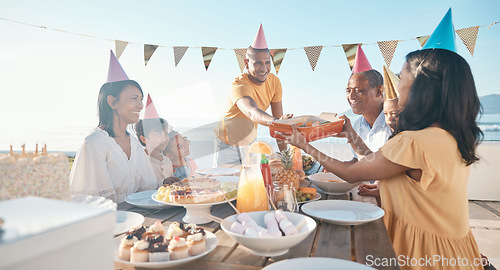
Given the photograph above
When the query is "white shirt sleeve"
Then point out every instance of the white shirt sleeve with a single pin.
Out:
(101, 168)
(89, 174)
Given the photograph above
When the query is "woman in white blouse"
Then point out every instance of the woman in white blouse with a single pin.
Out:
(112, 163)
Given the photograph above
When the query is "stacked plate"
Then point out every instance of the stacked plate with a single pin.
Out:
(94, 200)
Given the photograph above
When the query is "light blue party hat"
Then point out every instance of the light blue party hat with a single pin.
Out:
(443, 36)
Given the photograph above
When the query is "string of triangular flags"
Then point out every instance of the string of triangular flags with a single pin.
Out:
(387, 48)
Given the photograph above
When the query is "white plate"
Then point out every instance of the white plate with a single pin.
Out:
(316, 263)
(126, 220)
(317, 197)
(210, 239)
(343, 212)
(227, 178)
(219, 171)
(94, 200)
(143, 199)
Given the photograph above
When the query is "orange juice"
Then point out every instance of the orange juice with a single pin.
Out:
(251, 191)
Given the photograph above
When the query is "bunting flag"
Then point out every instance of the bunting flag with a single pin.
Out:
(241, 54)
(278, 55)
(350, 52)
(120, 47)
(179, 52)
(148, 52)
(422, 40)
(208, 55)
(313, 53)
(388, 48)
(469, 36)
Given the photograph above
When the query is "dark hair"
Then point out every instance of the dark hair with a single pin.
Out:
(443, 92)
(145, 126)
(251, 51)
(374, 77)
(105, 111)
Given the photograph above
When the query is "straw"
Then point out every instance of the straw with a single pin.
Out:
(270, 200)
(218, 220)
(227, 200)
(214, 218)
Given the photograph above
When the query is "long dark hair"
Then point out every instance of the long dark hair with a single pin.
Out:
(105, 111)
(443, 92)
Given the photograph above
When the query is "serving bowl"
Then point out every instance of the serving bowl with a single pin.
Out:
(333, 125)
(330, 183)
(270, 247)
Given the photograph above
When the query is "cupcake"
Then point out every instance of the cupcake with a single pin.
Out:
(196, 244)
(174, 230)
(125, 245)
(159, 253)
(156, 228)
(198, 230)
(178, 248)
(137, 231)
(191, 229)
(140, 251)
(155, 238)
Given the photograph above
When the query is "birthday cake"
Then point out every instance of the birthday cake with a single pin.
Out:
(28, 174)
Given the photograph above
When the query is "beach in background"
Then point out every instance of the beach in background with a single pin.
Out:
(68, 138)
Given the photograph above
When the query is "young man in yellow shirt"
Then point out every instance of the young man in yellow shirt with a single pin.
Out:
(251, 95)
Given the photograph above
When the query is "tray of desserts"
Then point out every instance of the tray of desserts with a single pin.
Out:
(163, 246)
(202, 190)
(311, 126)
(197, 195)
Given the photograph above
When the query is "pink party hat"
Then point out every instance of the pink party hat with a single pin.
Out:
(115, 71)
(260, 39)
(361, 63)
(150, 111)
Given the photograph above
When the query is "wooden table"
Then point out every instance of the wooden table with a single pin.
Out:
(353, 243)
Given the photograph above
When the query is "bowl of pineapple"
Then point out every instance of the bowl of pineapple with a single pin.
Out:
(330, 183)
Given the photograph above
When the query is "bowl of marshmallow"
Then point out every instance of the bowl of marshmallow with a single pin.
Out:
(266, 233)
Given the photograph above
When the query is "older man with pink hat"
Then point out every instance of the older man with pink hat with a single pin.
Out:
(365, 94)
(251, 95)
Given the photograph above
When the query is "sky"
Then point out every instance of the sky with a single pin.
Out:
(50, 80)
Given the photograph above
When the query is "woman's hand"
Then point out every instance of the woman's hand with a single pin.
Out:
(348, 131)
(369, 190)
(296, 138)
(286, 116)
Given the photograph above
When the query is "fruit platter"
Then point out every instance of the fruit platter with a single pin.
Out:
(313, 127)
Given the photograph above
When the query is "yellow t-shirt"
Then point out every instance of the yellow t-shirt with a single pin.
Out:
(429, 217)
(236, 128)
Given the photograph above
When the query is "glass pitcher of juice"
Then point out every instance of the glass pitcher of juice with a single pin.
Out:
(252, 194)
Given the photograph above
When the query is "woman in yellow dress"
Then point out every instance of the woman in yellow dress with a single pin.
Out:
(425, 166)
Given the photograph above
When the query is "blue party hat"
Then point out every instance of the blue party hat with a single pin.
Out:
(443, 36)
